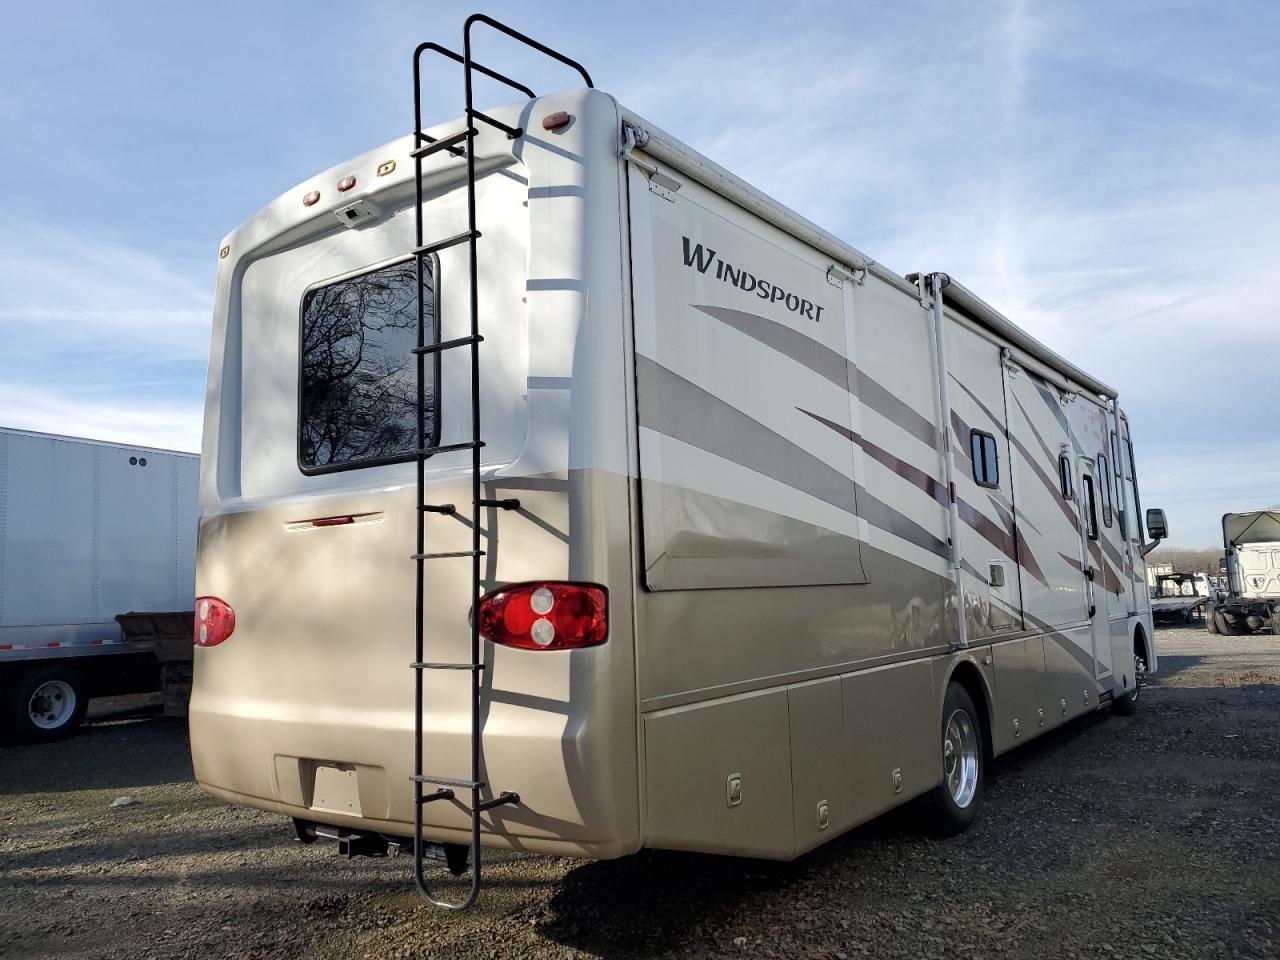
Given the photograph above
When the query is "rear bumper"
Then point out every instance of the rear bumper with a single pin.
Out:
(354, 772)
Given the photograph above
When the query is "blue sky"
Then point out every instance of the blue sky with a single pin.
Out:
(1108, 175)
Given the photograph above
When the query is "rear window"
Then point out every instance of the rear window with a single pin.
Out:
(358, 391)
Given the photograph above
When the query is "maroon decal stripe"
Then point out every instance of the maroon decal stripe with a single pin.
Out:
(982, 524)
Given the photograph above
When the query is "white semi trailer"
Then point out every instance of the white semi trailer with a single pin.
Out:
(88, 531)
(1252, 599)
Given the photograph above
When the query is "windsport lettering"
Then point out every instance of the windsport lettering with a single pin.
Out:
(702, 259)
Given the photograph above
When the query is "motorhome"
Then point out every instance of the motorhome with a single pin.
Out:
(564, 493)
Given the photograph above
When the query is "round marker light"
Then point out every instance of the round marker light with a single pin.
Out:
(542, 601)
(346, 183)
(542, 632)
(311, 199)
(556, 121)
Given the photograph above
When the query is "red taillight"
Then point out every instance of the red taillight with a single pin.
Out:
(215, 621)
(332, 521)
(546, 616)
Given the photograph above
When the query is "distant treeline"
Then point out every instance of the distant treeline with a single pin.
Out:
(1188, 561)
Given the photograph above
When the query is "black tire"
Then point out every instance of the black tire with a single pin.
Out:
(955, 802)
(1127, 705)
(1211, 619)
(62, 690)
(1225, 628)
(1275, 623)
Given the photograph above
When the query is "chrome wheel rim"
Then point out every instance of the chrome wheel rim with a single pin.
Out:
(960, 757)
(1139, 676)
(51, 704)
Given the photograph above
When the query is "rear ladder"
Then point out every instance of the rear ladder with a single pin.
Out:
(457, 144)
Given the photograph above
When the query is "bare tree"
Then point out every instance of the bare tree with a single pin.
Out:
(359, 374)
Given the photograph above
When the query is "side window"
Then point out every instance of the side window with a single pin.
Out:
(1104, 488)
(1119, 485)
(1134, 494)
(1090, 508)
(1064, 477)
(986, 463)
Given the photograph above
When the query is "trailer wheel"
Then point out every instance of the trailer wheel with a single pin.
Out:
(1211, 619)
(1226, 628)
(45, 704)
(957, 798)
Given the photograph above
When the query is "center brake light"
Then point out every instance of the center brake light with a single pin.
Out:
(546, 615)
(215, 621)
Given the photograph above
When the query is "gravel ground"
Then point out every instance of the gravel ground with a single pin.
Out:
(1152, 836)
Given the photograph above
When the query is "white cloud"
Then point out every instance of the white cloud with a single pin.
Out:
(101, 340)
(87, 413)
(1070, 180)
(63, 287)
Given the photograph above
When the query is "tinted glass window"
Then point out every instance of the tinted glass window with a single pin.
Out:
(1131, 492)
(358, 396)
(1104, 488)
(1119, 484)
(1090, 508)
(986, 465)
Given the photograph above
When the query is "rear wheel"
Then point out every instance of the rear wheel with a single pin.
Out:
(1226, 627)
(957, 798)
(45, 704)
(1211, 619)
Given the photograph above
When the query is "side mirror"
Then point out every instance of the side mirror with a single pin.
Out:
(1157, 526)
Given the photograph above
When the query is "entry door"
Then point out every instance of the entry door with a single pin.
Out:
(1093, 566)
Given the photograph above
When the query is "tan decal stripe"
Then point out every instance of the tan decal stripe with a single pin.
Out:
(829, 365)
(1055, 407)
(1082, 657)
(677, 408)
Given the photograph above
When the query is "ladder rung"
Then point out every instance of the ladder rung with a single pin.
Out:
(446, 447)
(444, 143)
(446, 781)
(447, 666)
(448, 509)
(448, 344)
(447, 242)
(509, 504)
(512, 133)
(446, 556)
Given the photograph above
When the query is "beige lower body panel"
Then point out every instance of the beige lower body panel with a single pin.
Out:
(308, 708)
(777, 772)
